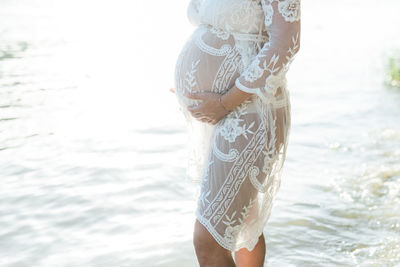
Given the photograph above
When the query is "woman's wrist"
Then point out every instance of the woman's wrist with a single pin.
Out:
(233, 98)
(222, 105)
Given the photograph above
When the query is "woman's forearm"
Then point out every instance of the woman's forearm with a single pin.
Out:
(233, 98)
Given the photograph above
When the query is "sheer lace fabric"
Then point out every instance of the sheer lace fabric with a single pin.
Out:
(238, 162)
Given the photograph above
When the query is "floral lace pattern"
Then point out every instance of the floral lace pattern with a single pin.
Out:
(269, 13)
(290, 10)
(273, 61)
(231, 128)
(249, 44)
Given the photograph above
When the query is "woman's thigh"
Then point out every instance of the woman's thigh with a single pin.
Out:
(243, 164)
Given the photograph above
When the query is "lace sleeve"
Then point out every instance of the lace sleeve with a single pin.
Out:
(266, 73)
(193, 11)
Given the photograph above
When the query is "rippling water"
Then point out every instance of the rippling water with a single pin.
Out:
(92, 144)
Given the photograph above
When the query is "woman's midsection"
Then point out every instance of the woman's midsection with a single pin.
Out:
(209, 61)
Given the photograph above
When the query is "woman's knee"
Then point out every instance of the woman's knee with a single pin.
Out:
(207, 249)
(202, 239)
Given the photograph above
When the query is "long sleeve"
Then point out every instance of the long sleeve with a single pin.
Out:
(266, 73)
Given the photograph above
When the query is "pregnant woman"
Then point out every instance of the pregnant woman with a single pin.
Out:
(231, 86)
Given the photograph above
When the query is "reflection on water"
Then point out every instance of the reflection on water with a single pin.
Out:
(92, 144)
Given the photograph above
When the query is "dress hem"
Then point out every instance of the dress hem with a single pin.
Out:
(250, 245)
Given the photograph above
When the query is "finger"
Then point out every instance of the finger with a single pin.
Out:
(172, 90)
(213, 122)
(206, 120)
(202, 118)
(195, 108)
(197, 115)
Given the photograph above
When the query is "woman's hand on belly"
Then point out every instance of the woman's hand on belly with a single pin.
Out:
(210, 110)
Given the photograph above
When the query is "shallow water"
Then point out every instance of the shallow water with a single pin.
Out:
(92, 146)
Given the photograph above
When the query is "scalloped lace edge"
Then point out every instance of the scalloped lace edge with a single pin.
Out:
(250, 244)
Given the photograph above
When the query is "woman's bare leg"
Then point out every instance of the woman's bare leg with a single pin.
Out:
(254, 258)
(209, 252)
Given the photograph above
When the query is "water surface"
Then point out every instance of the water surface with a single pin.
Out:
(92, 144)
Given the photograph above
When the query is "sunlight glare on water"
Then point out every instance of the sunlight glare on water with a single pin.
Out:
(93, 145)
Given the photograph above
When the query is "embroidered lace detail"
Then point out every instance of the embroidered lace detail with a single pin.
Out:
(238, 162)
(262, 75)
(270, 151)
(253, 173)
(232, 231)
(233, 15)
(269, 13)
(231, 129)
(224, 198)
(223, 51)
(231, 157)
(226, 71)
(271, 162)
(228, 243)
(220, 33)
(290, 10)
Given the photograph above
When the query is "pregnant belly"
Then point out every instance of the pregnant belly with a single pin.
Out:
(207, 62)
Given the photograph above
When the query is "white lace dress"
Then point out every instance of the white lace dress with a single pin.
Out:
(238, 162)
